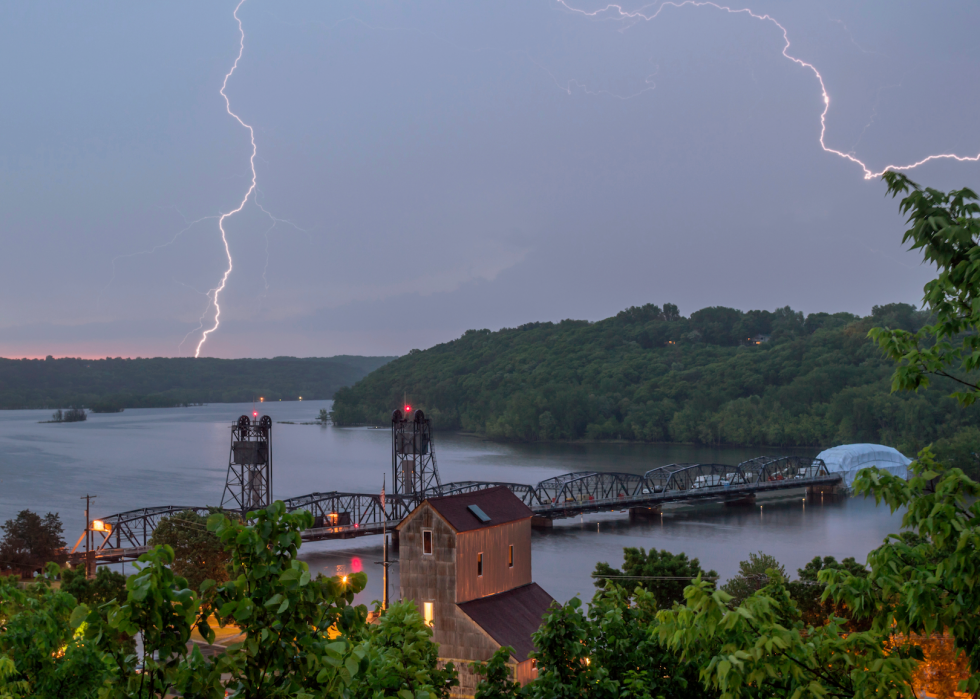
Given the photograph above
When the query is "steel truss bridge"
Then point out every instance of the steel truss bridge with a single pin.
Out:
(345, 515)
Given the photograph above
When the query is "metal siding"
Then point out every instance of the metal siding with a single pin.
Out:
(494, 542)
(526, 671)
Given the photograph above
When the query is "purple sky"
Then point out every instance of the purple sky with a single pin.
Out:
(449, 165)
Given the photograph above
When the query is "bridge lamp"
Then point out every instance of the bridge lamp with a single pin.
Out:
(99, 526)
(261, 399)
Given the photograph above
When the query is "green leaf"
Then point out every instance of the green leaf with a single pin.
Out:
(79, 615)
(351, 665)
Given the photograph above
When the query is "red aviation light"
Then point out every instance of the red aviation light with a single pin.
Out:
(408, 408)
(255, 413)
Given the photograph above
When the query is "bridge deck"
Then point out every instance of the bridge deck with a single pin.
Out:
(349, 515)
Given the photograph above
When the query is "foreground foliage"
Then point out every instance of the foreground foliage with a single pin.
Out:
(611, 651)
(303, 637)
(924, 581)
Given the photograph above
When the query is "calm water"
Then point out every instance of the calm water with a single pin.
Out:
(179, 456)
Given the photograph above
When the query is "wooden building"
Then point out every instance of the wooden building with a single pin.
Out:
(466, 562)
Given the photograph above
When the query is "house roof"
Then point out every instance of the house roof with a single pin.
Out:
(509, 618)
(498, 504)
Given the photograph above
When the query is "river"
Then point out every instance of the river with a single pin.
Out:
(179, 456)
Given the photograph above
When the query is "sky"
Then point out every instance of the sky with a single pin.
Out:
(427, 168)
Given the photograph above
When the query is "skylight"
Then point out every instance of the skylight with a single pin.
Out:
(480, 514)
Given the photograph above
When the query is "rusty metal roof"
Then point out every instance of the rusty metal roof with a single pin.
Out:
(511, 617)
(499, 504)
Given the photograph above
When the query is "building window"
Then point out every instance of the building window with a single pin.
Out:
(427, 611)
(479, 565)
(427, 542)
(510, 560)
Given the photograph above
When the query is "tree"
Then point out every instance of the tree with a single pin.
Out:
(961, 451)
(198, 553)
(562, 648)
(752, 576)
(946, 228)
(610, 652)
(762, 648)
(285, 613)
(106, 586)
(30, 541)
(496, 674)
(923, 581)
(661, 572)
(40, 656)
(399, 658)
(624, 643)
(807, 592)
(303, 636)
(162, 611)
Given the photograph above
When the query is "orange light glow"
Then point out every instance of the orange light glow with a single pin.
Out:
(99, 526)
(261, 400)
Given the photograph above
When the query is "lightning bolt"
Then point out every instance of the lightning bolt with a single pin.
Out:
(215, 292)
(618, 12)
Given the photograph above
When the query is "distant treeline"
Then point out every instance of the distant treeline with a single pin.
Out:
(107, 385)
(650, 374)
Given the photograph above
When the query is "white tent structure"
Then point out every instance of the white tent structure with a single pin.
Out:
(851, 458)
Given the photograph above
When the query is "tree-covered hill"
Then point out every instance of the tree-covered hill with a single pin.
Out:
(108, 384)
(650, 374)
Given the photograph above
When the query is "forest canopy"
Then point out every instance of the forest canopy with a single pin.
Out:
(720, 376)
(108, 385)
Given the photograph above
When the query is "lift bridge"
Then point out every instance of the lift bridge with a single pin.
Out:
(415, 477)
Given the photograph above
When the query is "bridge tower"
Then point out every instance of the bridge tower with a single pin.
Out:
(413, 458)
(248, 485)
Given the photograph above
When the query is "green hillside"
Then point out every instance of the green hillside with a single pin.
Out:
(106, 384)
(650, 374)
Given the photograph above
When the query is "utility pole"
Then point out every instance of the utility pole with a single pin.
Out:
(89, 553)
(384, 561)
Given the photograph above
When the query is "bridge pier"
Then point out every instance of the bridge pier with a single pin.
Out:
(644, 513)
(747, 501)
(539, 522)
